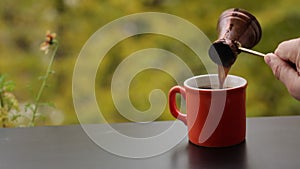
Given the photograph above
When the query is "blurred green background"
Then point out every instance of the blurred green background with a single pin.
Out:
(23, 25)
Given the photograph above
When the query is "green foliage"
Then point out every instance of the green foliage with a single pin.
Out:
(9, 105)
(75, 21)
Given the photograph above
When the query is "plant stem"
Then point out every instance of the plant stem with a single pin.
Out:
(1, 100)
(43, 85)
(1, 91)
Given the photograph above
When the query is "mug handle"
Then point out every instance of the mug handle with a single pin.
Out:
(172, 103)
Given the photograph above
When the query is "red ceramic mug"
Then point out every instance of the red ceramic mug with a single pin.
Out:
(214, 117)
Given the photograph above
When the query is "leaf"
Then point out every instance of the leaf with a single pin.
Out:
(41, 77)
(51, 72)
(28, 106)
(2, 79)
(50, 104)
(15, 117)
(9, 86)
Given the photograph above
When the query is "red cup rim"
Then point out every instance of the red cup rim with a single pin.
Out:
(232, 82)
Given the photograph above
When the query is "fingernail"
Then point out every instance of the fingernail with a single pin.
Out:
(267, 59)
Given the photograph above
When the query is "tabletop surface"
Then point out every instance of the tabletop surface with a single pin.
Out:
(272, 142)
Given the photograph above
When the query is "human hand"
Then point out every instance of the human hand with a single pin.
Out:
(285, 64)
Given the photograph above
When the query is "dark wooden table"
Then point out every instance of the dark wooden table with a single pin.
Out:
(272, 142)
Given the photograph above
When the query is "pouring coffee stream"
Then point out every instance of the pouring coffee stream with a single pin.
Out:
(239, 31)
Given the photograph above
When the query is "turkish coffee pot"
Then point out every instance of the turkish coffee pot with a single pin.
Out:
(239, 31)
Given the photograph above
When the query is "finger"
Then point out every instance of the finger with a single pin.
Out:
(285, 73)
(289, 51)
(281, 69)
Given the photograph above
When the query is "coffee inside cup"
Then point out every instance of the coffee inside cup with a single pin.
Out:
(205, 87)
(212, 87)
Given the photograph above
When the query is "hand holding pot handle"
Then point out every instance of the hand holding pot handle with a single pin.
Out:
(285, 64)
